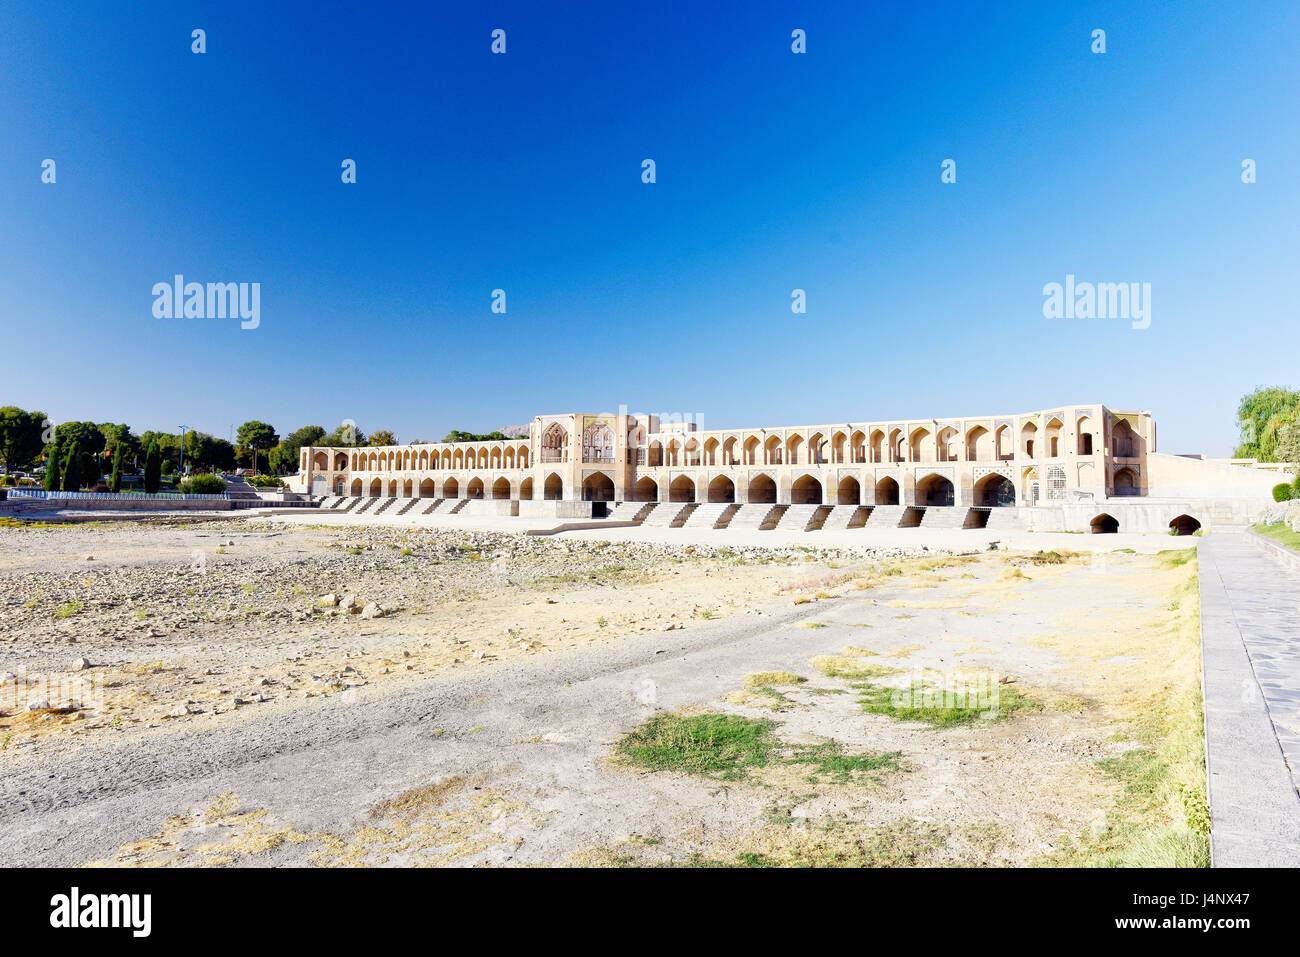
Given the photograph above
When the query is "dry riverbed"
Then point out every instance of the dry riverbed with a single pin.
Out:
(597, 703)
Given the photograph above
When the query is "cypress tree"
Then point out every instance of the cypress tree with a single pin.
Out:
(72, 470)
(152, 469)
(52, 481)
(115, 482)
(92, 469)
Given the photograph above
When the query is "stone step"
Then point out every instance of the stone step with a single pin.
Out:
(847, 516)
(1007, 519)
(385, 504)
(886, 516)
(433, 504)
(408, 505)
(631, 511)
(754, 516)
(944, 516)
(460, 503)
(711, 515)
(804, 518)
(666, 515)
(366, 505)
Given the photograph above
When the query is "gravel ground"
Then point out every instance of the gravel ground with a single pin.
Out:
(232, 714)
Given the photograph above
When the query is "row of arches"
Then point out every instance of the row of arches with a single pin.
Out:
(503, 488)
(990, 491)
(408, 460)
(861, 446)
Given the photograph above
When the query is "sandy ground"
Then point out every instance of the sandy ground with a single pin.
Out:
(230, 716)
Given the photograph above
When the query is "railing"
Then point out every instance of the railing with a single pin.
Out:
(117, 496)
(553, 455)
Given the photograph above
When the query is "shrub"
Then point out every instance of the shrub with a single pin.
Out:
(100, 487)
(1283, 492)
(203, 485)
(265, 481)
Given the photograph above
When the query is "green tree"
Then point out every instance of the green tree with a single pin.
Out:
(223, 455)
(152, 469)
(85, 435)
(457, 436)
(21, 436)
(92, 469)
(1288, 443)
(53, 481)
(118, 434)
(343, 437)
(1260, 416)
(115, 480)
(284, 456)
(256, 437)
(72, 469)
(383, 437)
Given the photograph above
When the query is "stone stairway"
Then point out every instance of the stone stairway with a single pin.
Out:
(944, 516)
(352, 504)
(753, 516)
(669, 515)
(385, 505)
(886, 516)
(461, 503)
(366, 505)
(432, 506)
(804, 518)
(846, 516)
(711, 515)
(1007, 519)
(631, 512)
(410, 504)
(240, 493)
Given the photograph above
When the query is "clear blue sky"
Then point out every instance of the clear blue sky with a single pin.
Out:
(776, 171)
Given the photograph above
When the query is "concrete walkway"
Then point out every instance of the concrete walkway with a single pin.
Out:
(1250, 637)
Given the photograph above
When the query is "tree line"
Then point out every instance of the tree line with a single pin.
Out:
(97, 456)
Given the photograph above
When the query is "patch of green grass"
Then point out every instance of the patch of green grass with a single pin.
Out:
(1281, 534)
(939, 708)
(713, 745)
(67, 609)
(850, 667)
(354, 550)
(829, 759)
(765, 679)
(1175, 558)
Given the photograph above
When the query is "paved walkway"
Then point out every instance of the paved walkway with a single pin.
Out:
(1250, 635)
